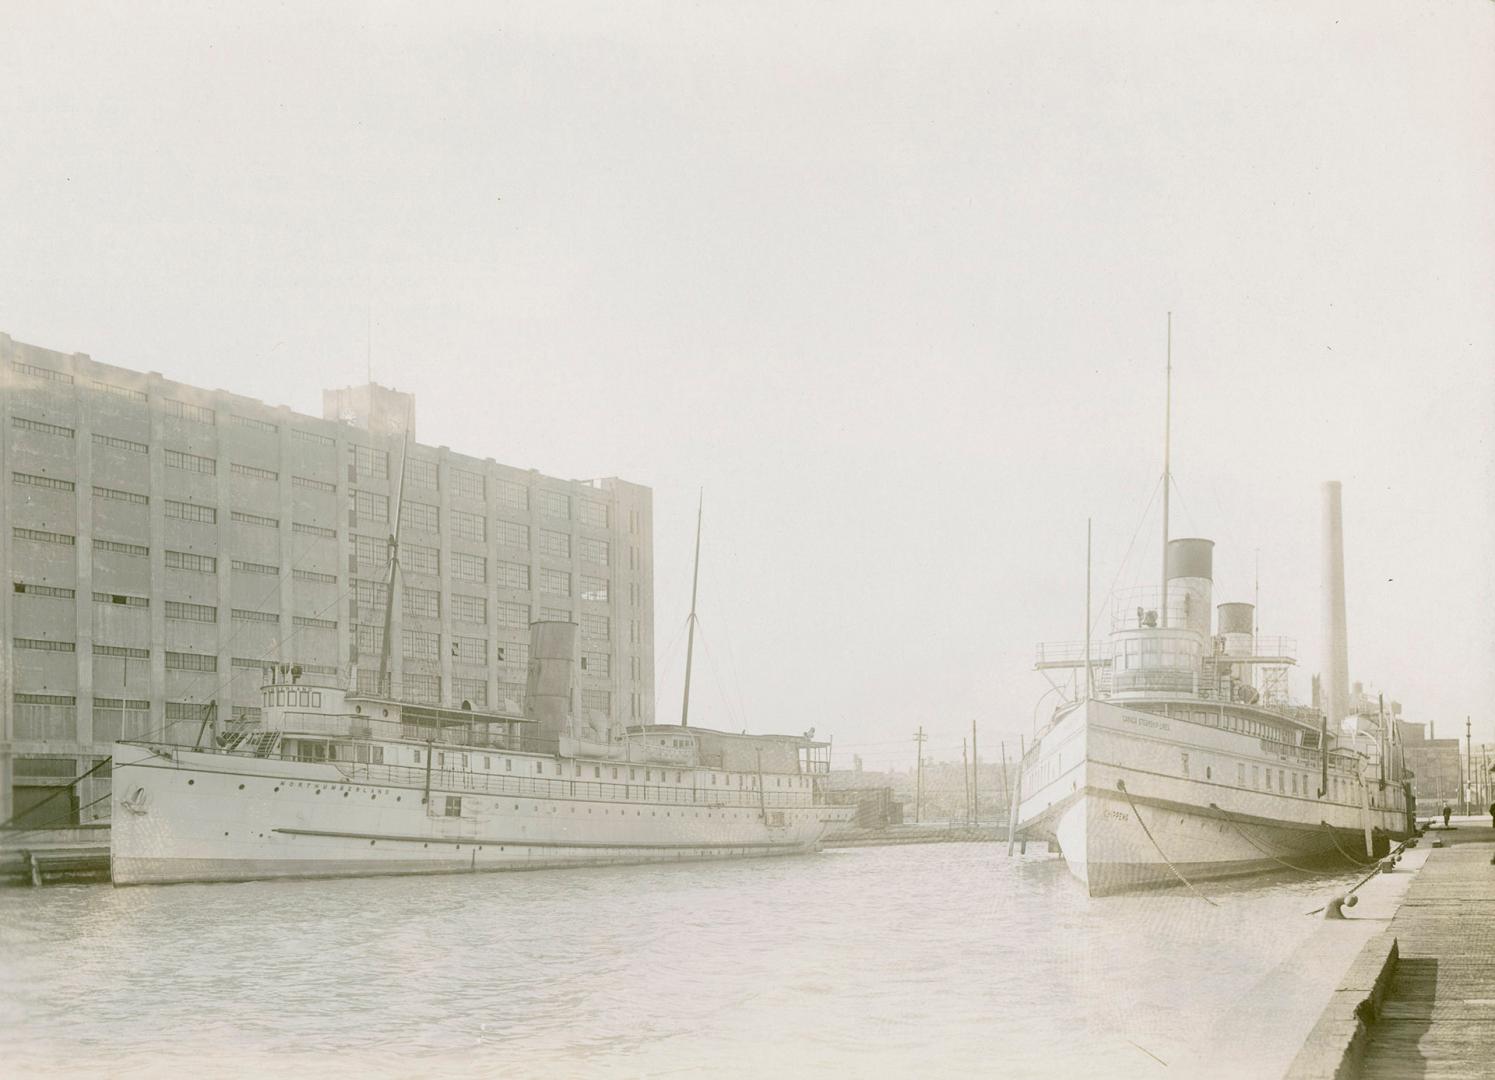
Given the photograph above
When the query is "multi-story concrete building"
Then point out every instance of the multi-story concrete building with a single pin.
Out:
(1437, 766)
(164, 543)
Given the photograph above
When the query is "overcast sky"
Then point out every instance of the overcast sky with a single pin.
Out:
(889, 281)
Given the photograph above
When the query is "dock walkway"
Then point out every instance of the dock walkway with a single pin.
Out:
(1438, 1016)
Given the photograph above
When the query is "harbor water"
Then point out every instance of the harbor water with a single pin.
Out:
(941, 959)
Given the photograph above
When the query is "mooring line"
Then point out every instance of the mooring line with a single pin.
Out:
(1264, 851)
(1354, 861)
(1121, 786)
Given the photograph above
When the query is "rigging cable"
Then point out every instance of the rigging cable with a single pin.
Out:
(1264, 851)
(1121, 786)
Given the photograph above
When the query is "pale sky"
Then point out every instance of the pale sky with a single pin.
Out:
(889, 280)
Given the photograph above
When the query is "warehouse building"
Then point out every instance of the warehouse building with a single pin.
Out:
(164, 543)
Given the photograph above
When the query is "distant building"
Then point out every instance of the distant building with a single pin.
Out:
(1436, 764)
(163, 543)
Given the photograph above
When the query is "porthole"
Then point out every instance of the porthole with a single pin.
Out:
(345, 794)
(191, 782)
(241, 787)
(371, 843)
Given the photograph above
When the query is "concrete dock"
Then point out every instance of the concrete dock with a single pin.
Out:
(1419, 999)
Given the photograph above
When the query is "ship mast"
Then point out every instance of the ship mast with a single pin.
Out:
(386, 645)
(690, 639)
(1167, 435)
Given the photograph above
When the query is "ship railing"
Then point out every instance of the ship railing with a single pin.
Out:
(459, 781)
(1131, 609)
(490, 736)
(1071, 653)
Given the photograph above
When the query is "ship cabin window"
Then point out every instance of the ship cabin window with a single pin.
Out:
(1208, 773)
(487, 763)
(316, 699)
(417, 757)
(1185, 758)
(615, 772)
(540, 766)
(1240, 775)
(369, 755)
(305, 750)
(508, 764)
(678, 777)
(596, 772)
(632, 774)
(454, 806)
(1295, 783)
(1256, 776)
(1281, 781)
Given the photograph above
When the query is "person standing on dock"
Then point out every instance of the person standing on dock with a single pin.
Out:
(1447, 813)
(1492, 815)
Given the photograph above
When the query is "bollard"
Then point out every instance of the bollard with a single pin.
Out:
(1334, 909)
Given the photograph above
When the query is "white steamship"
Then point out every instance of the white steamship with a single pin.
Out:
(334, 783)
(1180, 756)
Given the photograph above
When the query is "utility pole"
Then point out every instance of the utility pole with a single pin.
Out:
(1468, 761)
(690, 637)
(965, 774)
(975, 778)
(919, 776)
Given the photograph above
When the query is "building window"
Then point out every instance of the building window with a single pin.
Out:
(472, 609)
(44, 645)
(242, 567)
(512, 575)
(314, 485)
(511, 495)
(312, 437)
(474, 691)
(593, 588)
(596, 663)
(184, 661)
(594, 550)
(121, 599)
(467, 526)
(176, 609)
(186, 560)
(42, 536)
(56, 592)
(195, 413)
(555, 581)
(597, 700)
(556, 505)
(176, 459)
(263, 426)
(511, 534)
(371, 506)
(594, 513)
(314, 624)
(423, 473)
(306, 529)
(43, 428)
(555, 614)
(38, 372)
(596, 626)
(139, 551)
(425, 689)
(246, 615)
(418, 559)
(316, 576)
(511, 614)
(470, 650)
(419, 515)
(468, 484)
(421, 603)
(370, 464)
(467, 567)
(185, 511)
(555, 543)
(121, 496)
(420, 644)
(239, 517)
(32, 480)
(253, 472)
(114, 443)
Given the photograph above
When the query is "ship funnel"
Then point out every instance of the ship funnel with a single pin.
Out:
(1190, 581)
(552, 677)
(1335, 662)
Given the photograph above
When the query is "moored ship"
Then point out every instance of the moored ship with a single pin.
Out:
(335, 784)
(1181, 757)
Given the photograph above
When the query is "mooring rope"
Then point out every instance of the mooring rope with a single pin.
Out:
(1121, 786)
(1394, 851)
(1354, 861)
(1264, 851)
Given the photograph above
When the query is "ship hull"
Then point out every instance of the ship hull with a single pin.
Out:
(1135, 801)
(182, 815)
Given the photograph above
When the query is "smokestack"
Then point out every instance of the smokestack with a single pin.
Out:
(1336, 657)
(548, 689)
